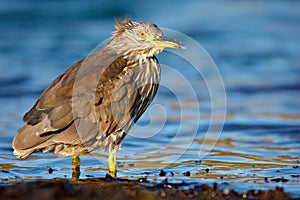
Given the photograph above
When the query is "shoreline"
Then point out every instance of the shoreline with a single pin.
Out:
(109, 188)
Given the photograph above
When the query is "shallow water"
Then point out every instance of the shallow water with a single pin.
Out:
(254, 44)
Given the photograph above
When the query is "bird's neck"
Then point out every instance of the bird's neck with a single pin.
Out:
(141, 56)
(132, 55)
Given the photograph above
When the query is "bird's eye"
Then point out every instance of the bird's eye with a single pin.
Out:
(143, 34)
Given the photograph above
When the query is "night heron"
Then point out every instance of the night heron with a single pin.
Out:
(94, 103)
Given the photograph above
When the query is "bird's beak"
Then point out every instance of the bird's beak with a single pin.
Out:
(163, 42)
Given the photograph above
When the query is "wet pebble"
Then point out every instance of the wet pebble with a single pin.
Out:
(163, 194)
(190, 195)
(121, 165)
(266, 180)
(226, 191)
(142, 180)
(279, 179)
(147, 173)
(162, 173)
(50, 170)
(213, 194)
(187, 173)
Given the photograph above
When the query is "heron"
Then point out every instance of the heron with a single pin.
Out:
(94, 103)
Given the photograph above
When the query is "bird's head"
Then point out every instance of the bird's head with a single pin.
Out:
(143, 37)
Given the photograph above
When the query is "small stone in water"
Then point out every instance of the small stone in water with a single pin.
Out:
(143, 179)
(187, 173)
(279, 180)
(162, 173)
(50, 170)
(266, 180)
(207, 170)
(147, 173)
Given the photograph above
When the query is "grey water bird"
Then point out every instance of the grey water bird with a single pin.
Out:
(95, 102)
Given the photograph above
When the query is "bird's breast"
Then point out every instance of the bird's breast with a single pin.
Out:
(134, 91)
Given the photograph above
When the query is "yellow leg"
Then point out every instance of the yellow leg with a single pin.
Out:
(112, 163)
(75, 167)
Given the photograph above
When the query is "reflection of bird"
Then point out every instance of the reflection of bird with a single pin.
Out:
(97, 100)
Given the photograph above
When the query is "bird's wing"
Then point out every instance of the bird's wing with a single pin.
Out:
(78, 87)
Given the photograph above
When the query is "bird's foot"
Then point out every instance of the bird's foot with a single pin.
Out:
(75, 167)
(108, 177)
(112, 163)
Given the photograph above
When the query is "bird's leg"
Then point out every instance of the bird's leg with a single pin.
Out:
(112, 162)
(75, 167)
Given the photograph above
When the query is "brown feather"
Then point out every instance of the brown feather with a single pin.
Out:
(121, 26)
(91, 105)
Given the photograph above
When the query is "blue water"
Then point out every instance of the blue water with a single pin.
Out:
(255, 46)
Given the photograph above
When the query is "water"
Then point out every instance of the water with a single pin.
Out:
(255, 45)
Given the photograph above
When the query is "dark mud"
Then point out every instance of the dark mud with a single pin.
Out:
(108, 188)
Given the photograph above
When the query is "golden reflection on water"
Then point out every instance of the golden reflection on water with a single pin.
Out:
(8, 166)
(228, 160)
